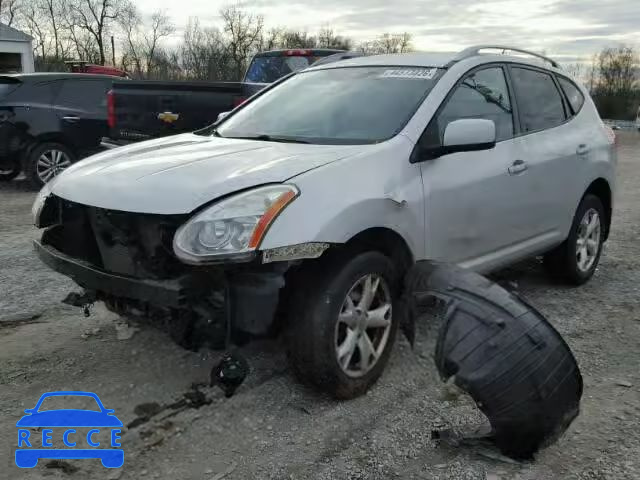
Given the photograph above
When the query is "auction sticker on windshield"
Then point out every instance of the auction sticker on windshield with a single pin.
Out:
(416, 73)
(69, 433)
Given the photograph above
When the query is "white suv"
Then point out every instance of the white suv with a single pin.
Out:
(300, 211)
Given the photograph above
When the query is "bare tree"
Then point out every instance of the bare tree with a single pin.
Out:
(95, 17)
(576, 70)
(9, 10)
(388, 43)
(617, 70)
(205, 54)
(592, 73)
(615, 82)
(328, 39)
(296, 39)
(52, 11)
(129, 23)
(160, 28)
(34, 24)
(272, 39)
(244, 32)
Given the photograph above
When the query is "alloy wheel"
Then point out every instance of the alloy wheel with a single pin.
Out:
(363, 326)
(588, 240)
(51, 163)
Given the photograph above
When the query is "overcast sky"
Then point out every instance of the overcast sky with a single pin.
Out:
(564, 28)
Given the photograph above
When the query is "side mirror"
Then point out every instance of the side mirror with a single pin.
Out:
(464, 135)
(469, 135)
(222, 116)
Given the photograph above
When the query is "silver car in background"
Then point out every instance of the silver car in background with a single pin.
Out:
(301, 210)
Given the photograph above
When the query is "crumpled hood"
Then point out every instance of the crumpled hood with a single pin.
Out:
(178, 174)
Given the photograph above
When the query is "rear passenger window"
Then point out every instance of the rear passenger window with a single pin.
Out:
(539, 102)
(482, 94)
(84, 94)
(573, 93)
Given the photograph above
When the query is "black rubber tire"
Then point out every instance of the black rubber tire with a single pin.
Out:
(562, 262)
(320, 289)
(32, 156)
(8, 175)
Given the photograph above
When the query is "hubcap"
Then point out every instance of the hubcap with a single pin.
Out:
(51, 163)
(588, 242)
(363, 325)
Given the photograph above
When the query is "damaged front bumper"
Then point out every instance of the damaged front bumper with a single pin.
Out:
(126, 260)
(169, 293)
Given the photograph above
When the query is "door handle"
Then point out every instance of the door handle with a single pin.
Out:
(517, 167)
(582, 149)
(71, 119)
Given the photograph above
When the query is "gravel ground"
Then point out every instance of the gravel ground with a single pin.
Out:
(275, 428)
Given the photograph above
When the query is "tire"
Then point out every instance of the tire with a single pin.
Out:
(565, 262)
(315, 333)
(35, 165)
(10, 172)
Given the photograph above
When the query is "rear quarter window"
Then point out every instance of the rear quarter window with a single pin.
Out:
(540, 104)
(573, 94)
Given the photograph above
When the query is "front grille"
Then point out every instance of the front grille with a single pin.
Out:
(134, 244)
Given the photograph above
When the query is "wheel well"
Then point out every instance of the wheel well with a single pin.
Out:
(44, 138)
(600, 188)
(385, 241)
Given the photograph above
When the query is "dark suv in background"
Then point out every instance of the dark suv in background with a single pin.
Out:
(48, 121)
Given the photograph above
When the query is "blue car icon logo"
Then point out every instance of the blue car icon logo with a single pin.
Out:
(29, 452)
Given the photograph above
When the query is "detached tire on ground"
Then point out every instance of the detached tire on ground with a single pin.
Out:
(46, 160)
(342, 323)
(576, 259)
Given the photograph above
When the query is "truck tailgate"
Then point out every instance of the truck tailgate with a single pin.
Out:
(149, 109)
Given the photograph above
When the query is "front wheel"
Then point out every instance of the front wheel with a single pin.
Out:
(342, 327)
(577, 258)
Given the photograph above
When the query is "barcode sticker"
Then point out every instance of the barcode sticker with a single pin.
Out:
(414, 73)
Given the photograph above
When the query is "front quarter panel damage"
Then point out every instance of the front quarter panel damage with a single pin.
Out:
(504, 354)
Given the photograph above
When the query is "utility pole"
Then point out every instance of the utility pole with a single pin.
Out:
(113, 51)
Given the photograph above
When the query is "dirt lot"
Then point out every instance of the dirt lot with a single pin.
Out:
(273, 427)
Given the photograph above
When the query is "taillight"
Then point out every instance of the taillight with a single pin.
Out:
(111, 109)
(297, 53)
(238, 101)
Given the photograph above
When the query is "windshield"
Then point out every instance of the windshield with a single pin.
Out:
(335, 106)
(270, 69)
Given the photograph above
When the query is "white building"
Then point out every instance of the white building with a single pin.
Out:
(16, 52)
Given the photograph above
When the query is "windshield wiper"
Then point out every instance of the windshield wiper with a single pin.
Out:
(270, 138)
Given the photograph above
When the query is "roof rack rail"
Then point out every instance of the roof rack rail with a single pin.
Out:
(475, 50)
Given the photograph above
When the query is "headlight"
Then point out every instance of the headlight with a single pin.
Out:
(38, 203)
(233, 228)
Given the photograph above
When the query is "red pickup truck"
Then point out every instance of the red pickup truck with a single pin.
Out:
(84, 67)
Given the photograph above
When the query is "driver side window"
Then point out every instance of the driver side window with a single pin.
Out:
(482, 94)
